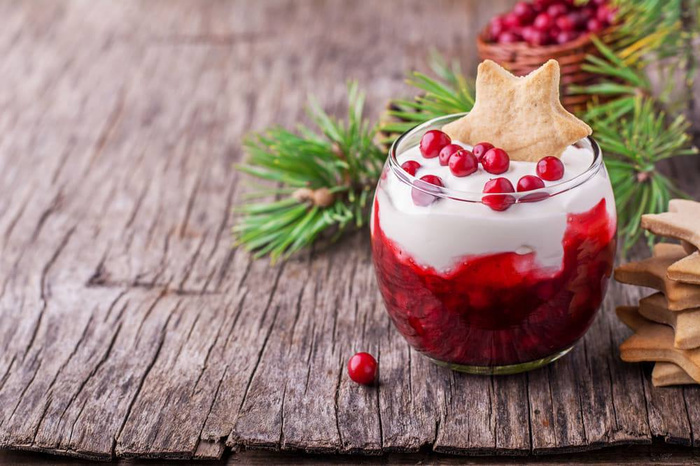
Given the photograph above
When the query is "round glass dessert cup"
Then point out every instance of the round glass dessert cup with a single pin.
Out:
(486, 291)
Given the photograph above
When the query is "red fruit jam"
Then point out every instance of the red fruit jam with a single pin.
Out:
(499, 309)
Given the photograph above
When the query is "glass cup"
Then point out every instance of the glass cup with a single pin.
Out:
(485, 291)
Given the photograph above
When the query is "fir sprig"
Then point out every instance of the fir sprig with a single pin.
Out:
(323, 179)
(633, 146)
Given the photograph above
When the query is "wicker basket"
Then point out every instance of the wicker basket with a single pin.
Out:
(520, 58)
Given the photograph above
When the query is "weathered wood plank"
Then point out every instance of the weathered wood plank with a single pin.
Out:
(128, 325)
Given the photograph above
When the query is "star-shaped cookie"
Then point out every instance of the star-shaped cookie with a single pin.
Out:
(686, 324)
(654, 342)
(521, 115)
(682, 222)
(652, 273)
(666, 374)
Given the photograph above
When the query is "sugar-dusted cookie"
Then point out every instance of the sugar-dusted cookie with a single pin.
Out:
(652, 273)
(686, 324)
(654, 342)
(666, 374)
(521, 115)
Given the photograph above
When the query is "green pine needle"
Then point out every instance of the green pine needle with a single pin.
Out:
(340, 156)
(632, 147)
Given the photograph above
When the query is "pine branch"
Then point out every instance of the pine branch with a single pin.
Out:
(633, 146)
(323, 178)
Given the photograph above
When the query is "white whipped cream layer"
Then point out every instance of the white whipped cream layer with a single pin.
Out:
(440, 234)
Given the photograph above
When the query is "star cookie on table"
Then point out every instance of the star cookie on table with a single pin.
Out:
(654, 342)
(652, 273)
(686, 324)
(521, 115)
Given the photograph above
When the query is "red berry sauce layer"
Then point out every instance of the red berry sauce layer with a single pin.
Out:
(499, 309)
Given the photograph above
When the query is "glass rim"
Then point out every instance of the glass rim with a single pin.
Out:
(477, 196)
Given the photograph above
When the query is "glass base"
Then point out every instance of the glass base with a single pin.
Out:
(503, 370)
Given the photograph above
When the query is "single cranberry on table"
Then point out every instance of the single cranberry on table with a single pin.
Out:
(480, 149)
(463, 163)
(495, 161)
(362, 368)
(550, 168)
(500, 201)
(447, 151)
(422, 198)
(432, 143)
(411, 167)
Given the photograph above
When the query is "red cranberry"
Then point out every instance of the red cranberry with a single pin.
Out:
(362, 368)
(543, 22)
(594, 25)
(550, 168)
(410, 167)
(565, 23)
(432, 142)
(480, 149)
(556, 10)
(539, 38)
(498, 202)
(578, 19)
(605, 14)
(496, 27)
(566, 36)
(588, 12)
(527, 32)
(511, 20)
(524, 11)
(508, 38)
(541, 5)
(463, 163)
(496, 161)
(528, 183)
(447, 151)
(421, 198)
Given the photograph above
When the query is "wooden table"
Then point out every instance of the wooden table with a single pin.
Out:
(129, 327)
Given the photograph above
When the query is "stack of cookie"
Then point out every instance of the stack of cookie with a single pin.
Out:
(667, 324)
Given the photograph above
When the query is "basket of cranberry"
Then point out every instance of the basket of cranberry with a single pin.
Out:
(531, 33)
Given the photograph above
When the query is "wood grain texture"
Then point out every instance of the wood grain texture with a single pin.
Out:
(129, 327)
